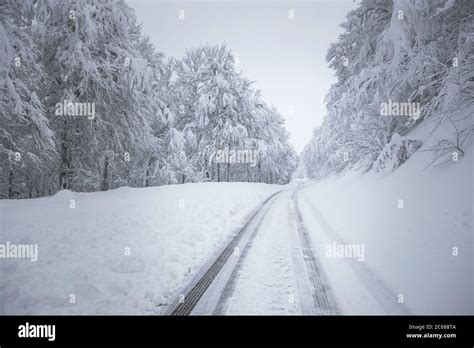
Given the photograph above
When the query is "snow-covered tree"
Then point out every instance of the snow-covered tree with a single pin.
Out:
(89, 104)
(396, 54)
(94, 54)
(223, 113)
(27, 147)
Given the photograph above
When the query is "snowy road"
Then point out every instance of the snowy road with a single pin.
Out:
(270, 267)
(239, 248)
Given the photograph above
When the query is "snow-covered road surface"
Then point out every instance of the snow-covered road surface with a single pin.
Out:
(271, 270)
(197, 294)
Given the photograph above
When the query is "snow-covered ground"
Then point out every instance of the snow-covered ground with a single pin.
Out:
(132, 250)
(267, 279)
(121, 251)
(408, 251)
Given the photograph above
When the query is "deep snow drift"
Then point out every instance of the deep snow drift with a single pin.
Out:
(411, 223)
(121, 251)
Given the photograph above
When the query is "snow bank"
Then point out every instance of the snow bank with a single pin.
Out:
(121, 251)
(410, 223)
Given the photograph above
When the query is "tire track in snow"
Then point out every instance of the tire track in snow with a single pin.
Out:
(373, 282)
(314, 294)
(265, 281)
(231, 283)
(202, 281)
(315, 289)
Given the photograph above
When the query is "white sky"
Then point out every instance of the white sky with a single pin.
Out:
(285, 58)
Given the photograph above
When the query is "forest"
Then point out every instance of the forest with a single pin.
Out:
(412, 56)
(87, 104)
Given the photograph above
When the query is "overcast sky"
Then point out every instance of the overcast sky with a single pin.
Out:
(285, 57)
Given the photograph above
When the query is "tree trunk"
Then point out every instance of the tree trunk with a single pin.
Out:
(105, 177)
(228, 166)
(10, 184)
(65, 164)
(28, 186)
(148, 171)
(259, 172)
